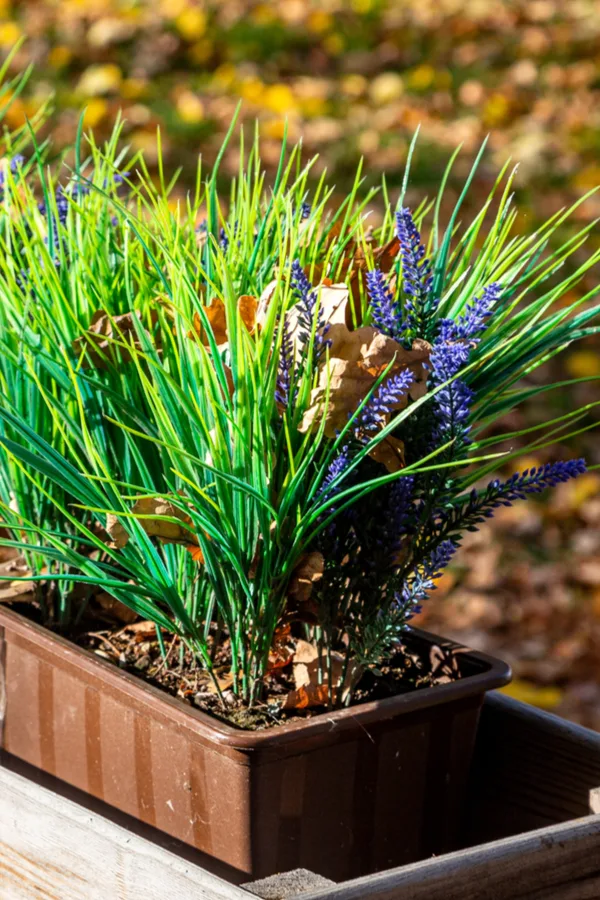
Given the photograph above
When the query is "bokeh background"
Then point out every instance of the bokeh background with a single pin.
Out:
(354, 78)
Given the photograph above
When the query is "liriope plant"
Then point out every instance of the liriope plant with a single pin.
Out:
(264, 420)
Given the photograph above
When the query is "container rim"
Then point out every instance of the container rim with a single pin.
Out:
(493, 673)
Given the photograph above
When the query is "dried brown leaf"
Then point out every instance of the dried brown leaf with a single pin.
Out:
(114, 608)
(152, 509)
(265, 301)
(309, 691)
(111, 339)
(247, 308)
(305, 575)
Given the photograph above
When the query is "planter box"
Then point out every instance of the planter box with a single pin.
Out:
(342, 794)
(530, 768)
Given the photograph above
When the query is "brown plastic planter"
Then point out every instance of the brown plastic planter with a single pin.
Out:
(342, 794)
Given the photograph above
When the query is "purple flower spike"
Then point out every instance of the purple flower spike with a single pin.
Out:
(286, 366)
(307, 302)
(417, 280)
(384, 400)
(385, 310)
(474, 321)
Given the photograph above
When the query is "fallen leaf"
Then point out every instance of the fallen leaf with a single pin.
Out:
(308, 691)
(224, 682)
(196, 553)
(247, 308)
(390, 453)
(141, 631)
(282, 648)
(308, 571)
(153, 509)
(527, 692)
(217, 319)
(348, 379)
(114, 608)
(108, 339)
(215, 314)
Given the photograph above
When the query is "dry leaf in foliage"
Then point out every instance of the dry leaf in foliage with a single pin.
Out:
(282, 648)
(153, 507)
(390, 453)
(224, 681)
(247, 308)
(114, 608)
(350, 379)
(217, 319)
(140, 631)
(265, 301)
(332, 300)
(308, 571)
(13, 564)
(103, 342)
(196, 553)
(354, 268)
(215, 314)
(308, 691)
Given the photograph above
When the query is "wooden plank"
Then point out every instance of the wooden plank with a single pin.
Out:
(531, 769)
(557, 863)
(54, 849)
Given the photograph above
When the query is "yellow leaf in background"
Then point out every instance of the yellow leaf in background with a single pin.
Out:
(421, 78)
(547, 697)
(200, 51)
(263, 14)
(275, 128)
(134, 88)
(59, 57)
(313, 107)
(587, 178)
(524, 462)
(170, 9)
(16, 113)
(334, 44)
(191, 23)
(319, 21)
(583, 364)
(279, 98)
(443, 79)
(190, 108)
(109, 30)
(495, 110)
(252, 89)
(386, 88)
(225, 75)
(98, 80)
(584, 488)
(95, 111)
(9, 34)
(354, 85)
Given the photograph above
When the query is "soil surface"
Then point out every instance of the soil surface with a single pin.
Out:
(136, 649)
(133, 645)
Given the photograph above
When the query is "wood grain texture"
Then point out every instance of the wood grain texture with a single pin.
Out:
(54, 849)
(531, 769)
(557, 863)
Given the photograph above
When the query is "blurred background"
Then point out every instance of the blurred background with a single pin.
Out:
(354, 78)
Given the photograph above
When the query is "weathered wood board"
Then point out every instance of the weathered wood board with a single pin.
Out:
(557, 863)
(54, 849)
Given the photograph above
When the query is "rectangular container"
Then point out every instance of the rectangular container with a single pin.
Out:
(343, 794)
